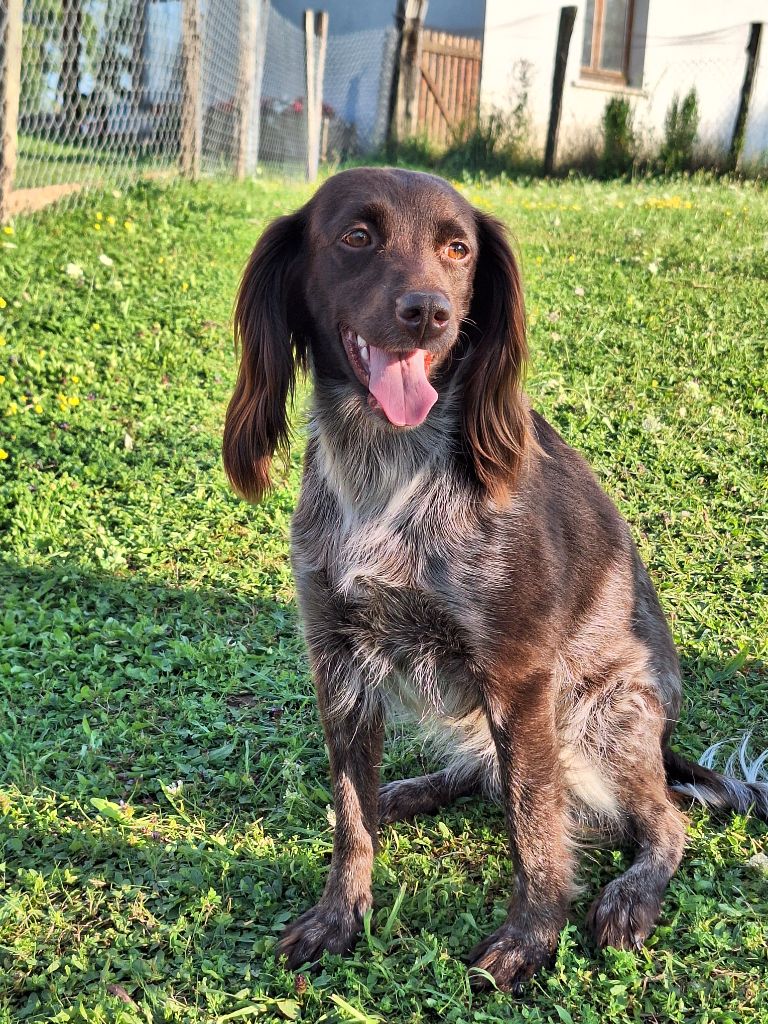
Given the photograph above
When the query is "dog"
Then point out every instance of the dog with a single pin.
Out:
(457, 563)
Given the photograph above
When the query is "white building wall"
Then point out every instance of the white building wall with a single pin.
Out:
(677, 44)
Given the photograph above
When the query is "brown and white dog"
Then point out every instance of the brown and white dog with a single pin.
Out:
(456, 561)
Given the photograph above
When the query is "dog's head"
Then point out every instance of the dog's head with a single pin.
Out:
(389, 283)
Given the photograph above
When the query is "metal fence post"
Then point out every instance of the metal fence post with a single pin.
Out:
(564, 32)
(10, 85)
(740, 127)
(191, 100)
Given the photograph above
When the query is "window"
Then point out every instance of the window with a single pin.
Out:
(607, 32)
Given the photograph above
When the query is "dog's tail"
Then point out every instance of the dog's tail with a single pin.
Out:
(722, 792)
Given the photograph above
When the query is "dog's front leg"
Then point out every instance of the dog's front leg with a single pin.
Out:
(354, 735)
(521, 720)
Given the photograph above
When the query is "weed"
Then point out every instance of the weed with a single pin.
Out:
(680, 128)
(619, 144)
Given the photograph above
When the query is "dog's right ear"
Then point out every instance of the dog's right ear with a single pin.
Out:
(268, 335)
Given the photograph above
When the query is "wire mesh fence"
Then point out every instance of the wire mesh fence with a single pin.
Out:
(112, 90)
(99, 93)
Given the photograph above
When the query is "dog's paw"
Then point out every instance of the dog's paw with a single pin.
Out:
(322, 928)
(623, 915)
(511, 958)
(398, 801)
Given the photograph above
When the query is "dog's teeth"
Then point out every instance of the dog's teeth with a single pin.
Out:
(361, 342)
(364, 353)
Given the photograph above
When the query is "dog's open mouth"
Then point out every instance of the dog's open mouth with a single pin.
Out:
(397, 382)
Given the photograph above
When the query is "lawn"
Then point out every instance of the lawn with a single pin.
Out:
(43, 162)
(163, 783)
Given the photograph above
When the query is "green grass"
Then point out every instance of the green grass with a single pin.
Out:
(43, 162)
(164, 785)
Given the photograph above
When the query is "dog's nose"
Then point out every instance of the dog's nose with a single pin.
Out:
(424, 314)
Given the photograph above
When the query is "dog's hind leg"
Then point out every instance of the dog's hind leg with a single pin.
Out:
(625, 912)
(404, 799)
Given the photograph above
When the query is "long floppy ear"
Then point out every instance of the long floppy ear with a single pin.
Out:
(256, 424)
(496, 423)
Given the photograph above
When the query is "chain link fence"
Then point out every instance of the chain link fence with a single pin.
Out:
(100, 93)
(104, 92)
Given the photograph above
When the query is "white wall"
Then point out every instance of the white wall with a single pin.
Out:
(677, 44)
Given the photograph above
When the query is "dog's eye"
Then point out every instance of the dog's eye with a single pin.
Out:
(357, 239)
(457, 251)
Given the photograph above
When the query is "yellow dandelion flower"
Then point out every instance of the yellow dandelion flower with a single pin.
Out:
(12, 409)
(75, 379)
(74, 400)
(38, 407)
(185, 286)
(161, 260)
(7, 230)
(129, 225)
(41, 353)
(3, 454)
(2, 341)
(96, 327)
(571, 258)
(2, 378)
(99, 215)
(3, 303)
(111, 219)
(97, 227)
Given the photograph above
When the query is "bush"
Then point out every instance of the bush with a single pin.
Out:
(499, 141)
(483, 148)
(619, 146)
(680, 128)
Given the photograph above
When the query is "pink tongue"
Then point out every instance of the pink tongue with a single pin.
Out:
(399, 383)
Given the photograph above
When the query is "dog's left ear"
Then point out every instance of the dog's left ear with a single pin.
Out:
(496, 425)
(268, 317)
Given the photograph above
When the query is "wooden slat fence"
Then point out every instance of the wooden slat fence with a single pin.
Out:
(449, 91)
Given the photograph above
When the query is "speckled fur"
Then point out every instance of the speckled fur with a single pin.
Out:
(469, 576)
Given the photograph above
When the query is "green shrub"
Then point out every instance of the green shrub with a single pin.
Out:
(680, 128)
(619, 146)
(483, 148)
(414, 151)
(498, 141)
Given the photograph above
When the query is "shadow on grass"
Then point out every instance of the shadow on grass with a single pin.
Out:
(165, 808)
(119, 686)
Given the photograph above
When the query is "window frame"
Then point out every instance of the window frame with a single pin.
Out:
(593, 71)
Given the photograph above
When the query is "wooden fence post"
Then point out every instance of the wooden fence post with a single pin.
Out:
(246, 70)
(191, 99)
(404, 113)
(315, 27)
(254, 129)
(564, 32)
(10, 87)
(740, 128)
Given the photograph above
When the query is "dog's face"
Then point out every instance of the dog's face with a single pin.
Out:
(377, 283)
(389, 266)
